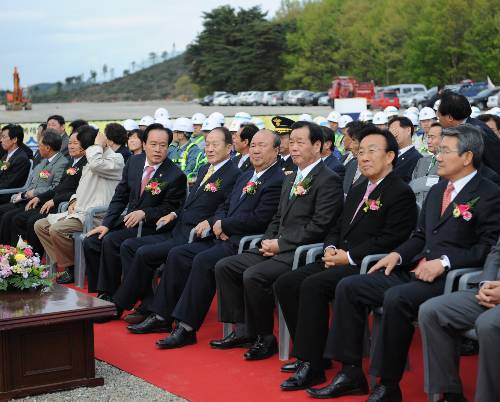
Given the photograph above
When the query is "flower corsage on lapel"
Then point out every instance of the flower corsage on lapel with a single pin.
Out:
(251, 187)
(213, 187)
(372, 205)
(155, 186)
(72, 171)
(464, 210)
(4, 165)
(302, 187)
(44, 174)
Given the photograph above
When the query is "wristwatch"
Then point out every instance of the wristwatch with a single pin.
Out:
(445, 262)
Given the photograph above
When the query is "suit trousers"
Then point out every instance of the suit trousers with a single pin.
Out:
(441, 322)
(199, 290)
(7, 213)
(245, 287)
(140, 258)
(304, 296)
(23, 225)
(57, 239)
(102, 258)
(400, 294)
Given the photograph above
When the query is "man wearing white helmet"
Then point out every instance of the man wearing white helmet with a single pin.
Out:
(217, 117)
(305, 117)
(162, 112)
(185, 154)
(165, 122)
(130, 125)
(426, 118)
(198, 138)
(391, 111)
(380, 120)
(366, 116)
(344, 120)
(145, 122)
(333, 120)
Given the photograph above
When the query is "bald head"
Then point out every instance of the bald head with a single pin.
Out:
(264, 149)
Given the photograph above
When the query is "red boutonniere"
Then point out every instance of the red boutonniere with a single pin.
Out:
(464, 210)
(154, 186)
(372, 205)
(213, 186)
(72, 171)
(302, 188)
(44, 174)
(251, 187)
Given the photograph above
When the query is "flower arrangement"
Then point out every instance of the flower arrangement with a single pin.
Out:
(302, 187)
(4, 165)
(44, 174)
(464, 210)
(155, 186)
(213, 186)
(372, 205)
(72, 171)
(251, 187)
(20, 268)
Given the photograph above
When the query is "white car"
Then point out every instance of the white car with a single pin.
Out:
(324, 101)
(493, 101)
(223, 100)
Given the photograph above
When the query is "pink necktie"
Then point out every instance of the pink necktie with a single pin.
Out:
(369, 190)
(149, 172)
(447, 197)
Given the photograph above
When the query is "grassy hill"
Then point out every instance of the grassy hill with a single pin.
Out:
(156, 82)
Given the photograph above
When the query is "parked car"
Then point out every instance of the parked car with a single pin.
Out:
(254, 98)
(493, 101)
(305, 98)
(385, 98)
(324, 101)
(481, 99)
(266, 97)
(234, 99)
(291, 97)
(406, 92)
(207, 100)
(276, 99)
(474, 89)
(316, 96)
(420, 99)
(223, 100)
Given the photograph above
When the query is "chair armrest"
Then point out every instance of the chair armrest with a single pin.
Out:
(301, 249)
(454, 274)
(247, 239)
(312, 253)
(465, 279)
(13, 190)
(368, 260)
(254, 242)
(90, 215)
(192, 234)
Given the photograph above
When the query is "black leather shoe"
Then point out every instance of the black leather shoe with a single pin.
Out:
(105, 297)
(341, 385)
(383, 393)
(262, 349)
(448, 397)
(135, 317)
(178, 338)
(150, 325)
(232, 341)
(293, 366)
(305, 377)
(116, 316)
(68, 276)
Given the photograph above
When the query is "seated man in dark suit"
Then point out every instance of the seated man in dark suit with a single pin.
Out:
(327, 155)
(283, 127)
(378, 216)
(352, 176)
(459, 222)
(117, 139)
(15, 164)
(187, 286)
(402, 129)
(310, 202)
(241, 144)
(151, 187)
(141, 257)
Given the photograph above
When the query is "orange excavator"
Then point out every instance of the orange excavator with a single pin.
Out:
(15, 99)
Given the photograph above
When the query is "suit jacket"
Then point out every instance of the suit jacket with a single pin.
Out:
(375, 231)
(251, 213)
(64, 146)
(128, 192)
(201, 205)
(406, 163)
(306, 218)
(491, 144)
(424, 168)
(125, 152)
(350, 171)
(492, 264)
(247, 165)
(466, 243)
(17, 171)
(335, 165)
(287, 165)
(56, 169)
(66, 187)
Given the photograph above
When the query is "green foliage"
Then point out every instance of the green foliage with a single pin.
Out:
(185, 88)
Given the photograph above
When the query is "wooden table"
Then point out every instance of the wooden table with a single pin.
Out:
(47, 341)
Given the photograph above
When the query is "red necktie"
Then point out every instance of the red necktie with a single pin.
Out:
(149, 172)
(447, 197)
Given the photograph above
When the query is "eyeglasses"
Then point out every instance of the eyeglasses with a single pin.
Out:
(446, 151)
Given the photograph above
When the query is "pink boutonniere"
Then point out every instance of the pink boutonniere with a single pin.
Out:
(154, 186)
(302, 187)
(372, 205)
(251, 187)
(44, 174)
(464, 210)
(213, 186)
(72, 171)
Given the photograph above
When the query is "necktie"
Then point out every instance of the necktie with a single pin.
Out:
(149, 172)
(447, 197)
(209, 173)
(369, 189)
(297, 180)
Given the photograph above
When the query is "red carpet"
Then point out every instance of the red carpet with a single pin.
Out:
(199, 373)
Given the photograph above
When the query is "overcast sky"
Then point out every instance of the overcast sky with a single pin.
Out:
(51, 40)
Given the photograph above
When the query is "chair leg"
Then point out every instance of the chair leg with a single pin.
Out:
(284, 337)
(79, 260)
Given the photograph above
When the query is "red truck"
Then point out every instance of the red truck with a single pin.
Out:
(349, 87)
(384, 99)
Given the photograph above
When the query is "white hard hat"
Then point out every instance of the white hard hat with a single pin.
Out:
(162, 112)
(391, 111)
(164, 121)
(243, 116)
(344, 120)
(366, 115)
(198, 118)
(305, 117)
(436, 105)
(259, 123)
(412, 116)
(380, 118)
(146, 121)
(217, 117)
(413, 109)
(183, 124)
(475, 112)
(427, 113)
(333, 116)
(321, 121)
(209, 125)
(235, 125)
(494, 111)
(130, 125)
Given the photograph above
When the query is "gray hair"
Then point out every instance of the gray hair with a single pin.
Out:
(52, 139)
(470, 139)
(276, 137)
